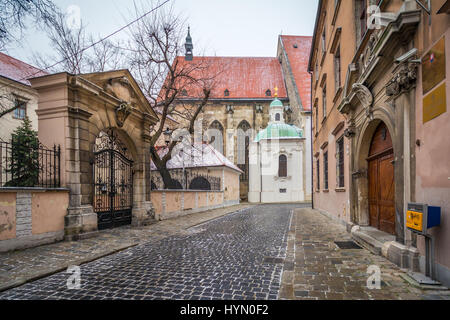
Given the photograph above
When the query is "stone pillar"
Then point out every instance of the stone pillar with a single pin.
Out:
(81, 220)
(230, 134)
(143, 212)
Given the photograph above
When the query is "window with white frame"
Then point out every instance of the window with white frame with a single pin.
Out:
(21, 109)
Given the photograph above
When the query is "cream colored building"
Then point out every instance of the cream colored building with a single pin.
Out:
(276, 161)
(15, 90)
(238, 107)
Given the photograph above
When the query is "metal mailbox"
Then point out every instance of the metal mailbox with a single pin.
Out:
(421, 217)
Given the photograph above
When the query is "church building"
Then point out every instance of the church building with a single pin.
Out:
(239, 104)
(276, 160)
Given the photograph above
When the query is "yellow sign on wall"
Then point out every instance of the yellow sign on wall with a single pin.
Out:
(414, 220)
(433, 66)
(435, 103)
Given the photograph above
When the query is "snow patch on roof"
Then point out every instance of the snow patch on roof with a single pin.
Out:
(195, 156)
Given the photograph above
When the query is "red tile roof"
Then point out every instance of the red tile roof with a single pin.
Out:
(299, 58)
(244, 77)
(17, 70)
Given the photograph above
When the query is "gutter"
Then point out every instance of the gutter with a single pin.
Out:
(311, 153)
(314, 37)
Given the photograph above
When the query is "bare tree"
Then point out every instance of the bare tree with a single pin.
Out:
(78, 52)
(13, 15)
(155, 49)
(105, 55)
(68, 44)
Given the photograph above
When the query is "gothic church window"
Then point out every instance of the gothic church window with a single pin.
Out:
(243, 143)
(215, 134)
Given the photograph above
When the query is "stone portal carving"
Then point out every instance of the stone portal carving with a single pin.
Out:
(122, 113)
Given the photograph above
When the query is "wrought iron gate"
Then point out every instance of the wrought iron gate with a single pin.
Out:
(113, 182)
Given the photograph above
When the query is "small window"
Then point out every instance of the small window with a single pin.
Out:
(318, 173)
(295, 46)
(324, 102)
(324, 46)
(340, 163)
(184, 92)
(325, 170)
(226, 93)
(283, 190)
(277, 117)
(21, 110)
(282, 166)
(268, 93)
(337, 68)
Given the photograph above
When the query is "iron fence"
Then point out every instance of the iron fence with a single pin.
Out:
(187, 179)
(43, 170)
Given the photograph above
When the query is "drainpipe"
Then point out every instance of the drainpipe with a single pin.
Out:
(311, 153)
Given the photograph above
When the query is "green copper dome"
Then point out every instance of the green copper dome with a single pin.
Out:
(276, 103)
(279, 131)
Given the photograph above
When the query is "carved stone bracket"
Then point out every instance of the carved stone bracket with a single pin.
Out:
(350, 132)
(362, 94)
(359, 174)
(405, 75)
(123, 111)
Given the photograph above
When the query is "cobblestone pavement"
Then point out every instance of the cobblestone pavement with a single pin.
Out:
(316, 269)
(233, 257)
(21, 266)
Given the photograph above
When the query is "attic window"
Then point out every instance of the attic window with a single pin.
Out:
(268, 93)
(226, 93)
(184, 92)
(295, 46)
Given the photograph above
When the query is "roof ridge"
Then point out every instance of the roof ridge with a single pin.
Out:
(291, 35)
(241, 57)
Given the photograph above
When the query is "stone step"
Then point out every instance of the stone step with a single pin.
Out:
(371, 238)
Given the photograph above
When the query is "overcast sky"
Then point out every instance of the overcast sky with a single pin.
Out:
(218, 27)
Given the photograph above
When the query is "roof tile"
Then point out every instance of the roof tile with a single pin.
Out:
(17, 70)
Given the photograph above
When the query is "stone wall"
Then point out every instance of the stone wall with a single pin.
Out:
(174, 203)
(30, 217)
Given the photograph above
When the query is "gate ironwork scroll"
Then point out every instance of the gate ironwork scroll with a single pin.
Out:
(113, 182)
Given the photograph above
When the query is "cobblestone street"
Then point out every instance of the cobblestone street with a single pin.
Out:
(260, 252)
(316, 268)
(227, 258)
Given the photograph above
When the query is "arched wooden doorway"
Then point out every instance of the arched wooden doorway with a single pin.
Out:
(381, 181)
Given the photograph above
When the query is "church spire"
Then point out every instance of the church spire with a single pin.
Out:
(189, 46)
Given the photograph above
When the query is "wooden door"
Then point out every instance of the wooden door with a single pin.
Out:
(381, 181)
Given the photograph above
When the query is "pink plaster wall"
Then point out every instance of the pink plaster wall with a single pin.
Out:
(173, 201)
(201, 199)
(231, 191)
(7, 215)
(48, 210)
(433, 163)
(189, 200)
(335, 200)
(156, 197)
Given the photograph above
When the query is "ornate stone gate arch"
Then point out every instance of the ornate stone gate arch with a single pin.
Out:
(72, 111)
